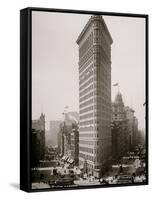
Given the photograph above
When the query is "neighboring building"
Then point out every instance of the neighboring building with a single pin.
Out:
(118, 109)
(135, 132)
(64, 135)
(68, 137)
(94, 94)
(141, 137)
(60, 150)
(130, 117)
(75, 144)
(132, 126)
(52, 135)
(124, 128)
(38, 140)
(39, 124)
(120, 134)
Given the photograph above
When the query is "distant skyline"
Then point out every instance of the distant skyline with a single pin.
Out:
(55, 80)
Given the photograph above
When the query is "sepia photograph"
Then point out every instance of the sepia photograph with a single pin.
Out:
(88, 85)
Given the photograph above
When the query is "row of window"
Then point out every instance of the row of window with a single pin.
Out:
(104, 48)
(90, 40)
(86, 149)
(84, 129)
(104, 105)
(85, 77)
(99, 60)
(86, 90)
(118, 109)
(86, 57)
(106, 97)
(86, 157)
(87, 109)
(86, 45)
(101, 119)
(103, 101)
(86, 103)
(105, 59)
(101, 55)
(104, 133)
(104, 43)
(85, 65)
(97, 122)
(102, 78)
(86, 83)
(103, 72)
(104, 122)
(89, 115)
(89, 68)
(87, 96)
(86, 142)
(86, 122)
(104, 91)
(103, 69)
(93, 38)
(100, 101)
(102, 86)
(105, 51)
(86, 135)
(106, 101)
(100, 123)
(104, 113)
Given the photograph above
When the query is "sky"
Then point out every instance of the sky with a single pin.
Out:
(55, 62)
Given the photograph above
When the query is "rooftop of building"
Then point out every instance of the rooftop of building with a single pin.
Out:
(118, 99)
(92, 19)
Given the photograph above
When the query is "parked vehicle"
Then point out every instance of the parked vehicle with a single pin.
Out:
(64, 180)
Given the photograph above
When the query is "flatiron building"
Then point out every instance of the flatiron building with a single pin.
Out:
(94, 95)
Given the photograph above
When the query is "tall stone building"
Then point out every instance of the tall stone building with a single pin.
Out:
(120, 131)
(135, 132)
(75, 144)
(39, 124)
(38, 140)
(52, 136)
(68, 136)
(132, 127)
(124, 128)
(94, 94)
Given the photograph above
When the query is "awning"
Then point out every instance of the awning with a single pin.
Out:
(63, 157)
(71, 161)
(66, 158)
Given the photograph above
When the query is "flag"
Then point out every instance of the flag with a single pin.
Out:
(116, 84)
